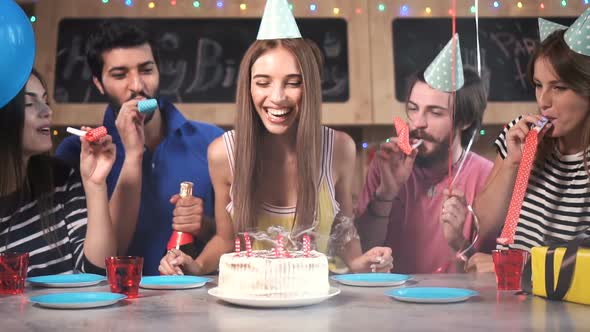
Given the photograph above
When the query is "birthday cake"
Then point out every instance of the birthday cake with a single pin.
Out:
(262, 274)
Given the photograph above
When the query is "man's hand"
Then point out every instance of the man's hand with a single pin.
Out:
(452, 217)
(187, 214)
(131, 128)
(480, 262)
(394, 167)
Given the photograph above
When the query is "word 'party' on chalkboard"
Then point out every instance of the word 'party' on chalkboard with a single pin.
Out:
(506, 45)
(199, 58)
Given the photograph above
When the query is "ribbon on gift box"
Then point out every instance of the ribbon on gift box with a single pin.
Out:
(567, 268)
(571, 286)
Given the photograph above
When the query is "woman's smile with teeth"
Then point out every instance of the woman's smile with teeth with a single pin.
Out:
(44, 130)
(278, 112)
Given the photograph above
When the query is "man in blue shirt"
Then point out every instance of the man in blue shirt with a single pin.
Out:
(155, 151)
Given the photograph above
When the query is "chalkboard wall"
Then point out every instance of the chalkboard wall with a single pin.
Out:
(506, 46)
(199, 58)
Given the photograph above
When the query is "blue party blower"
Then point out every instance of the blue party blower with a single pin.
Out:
(147, 106)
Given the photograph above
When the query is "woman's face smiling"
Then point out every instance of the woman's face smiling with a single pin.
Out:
(37, 122)
(277, 89)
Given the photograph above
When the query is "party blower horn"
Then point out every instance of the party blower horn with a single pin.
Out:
(180, 240)
(147, 105)
(91, 135)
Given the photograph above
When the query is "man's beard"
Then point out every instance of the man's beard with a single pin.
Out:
(439, 155)
(116, 106)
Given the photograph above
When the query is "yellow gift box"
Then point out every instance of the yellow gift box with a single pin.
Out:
(567, 280)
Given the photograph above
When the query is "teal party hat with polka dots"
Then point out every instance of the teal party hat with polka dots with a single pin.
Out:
(577, 36)
(547, 27)
(278, 22)
(439, 74)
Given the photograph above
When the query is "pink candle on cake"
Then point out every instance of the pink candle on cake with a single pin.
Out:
(306, 245)
(248, 244)
(279, 248)
(238, 245)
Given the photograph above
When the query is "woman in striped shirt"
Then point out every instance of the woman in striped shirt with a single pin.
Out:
(46, 209)
(557, 199)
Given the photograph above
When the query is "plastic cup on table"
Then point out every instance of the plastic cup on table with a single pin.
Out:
(13, 272)
(124, 274)
(508, 265)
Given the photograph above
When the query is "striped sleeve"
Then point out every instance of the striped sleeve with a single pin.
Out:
(500, 142)
(76, 217)
(556, 203)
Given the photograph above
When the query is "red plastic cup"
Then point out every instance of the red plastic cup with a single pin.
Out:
(124, 274)
(13, 272)
(508, 264)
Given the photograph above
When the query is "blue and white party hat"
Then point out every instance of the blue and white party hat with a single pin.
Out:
(577, 36)
(547, 27)
(439, 74)
(278, 22)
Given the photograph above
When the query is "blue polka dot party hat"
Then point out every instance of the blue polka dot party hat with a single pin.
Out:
(577, 36)
(547, 27)
(439, 74)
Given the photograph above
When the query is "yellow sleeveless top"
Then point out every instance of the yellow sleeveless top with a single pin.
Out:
(270, 215)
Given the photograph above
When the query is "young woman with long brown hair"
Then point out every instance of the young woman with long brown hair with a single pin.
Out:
(281, 167)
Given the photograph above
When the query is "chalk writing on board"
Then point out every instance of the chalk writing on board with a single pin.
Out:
(199, 58)
(506, 45)
(516, 50)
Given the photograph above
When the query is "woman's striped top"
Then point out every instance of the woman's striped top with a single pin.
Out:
(557, 199)
(53, 249)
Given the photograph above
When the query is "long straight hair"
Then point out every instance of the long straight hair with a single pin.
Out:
(250, 132)
(574, 70)
(34, 182)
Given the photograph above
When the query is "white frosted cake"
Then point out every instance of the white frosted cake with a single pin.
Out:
(264, 275)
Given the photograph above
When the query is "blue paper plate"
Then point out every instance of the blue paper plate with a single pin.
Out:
(372, 279)
(172, 282)
(66, 280)
(77, 300)
(431, 294)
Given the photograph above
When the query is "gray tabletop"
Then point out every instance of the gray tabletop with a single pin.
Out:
(354, 309)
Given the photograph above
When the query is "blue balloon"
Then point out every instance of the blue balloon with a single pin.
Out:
(17, 50)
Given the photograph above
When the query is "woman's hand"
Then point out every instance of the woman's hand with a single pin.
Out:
(176, 262)
(516, 135)
(96, 159)
(377, 259)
